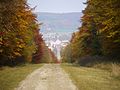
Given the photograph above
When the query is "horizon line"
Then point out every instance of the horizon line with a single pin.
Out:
(56, 12)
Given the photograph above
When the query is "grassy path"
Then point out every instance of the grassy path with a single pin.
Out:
(48, 77)
(11, 77)
(52, 75)
(92, 79)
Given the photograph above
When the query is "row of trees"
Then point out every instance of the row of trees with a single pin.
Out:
(20, 40)
(99, 34)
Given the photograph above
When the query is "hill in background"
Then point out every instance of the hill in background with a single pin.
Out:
(65, 22)
(57, 29)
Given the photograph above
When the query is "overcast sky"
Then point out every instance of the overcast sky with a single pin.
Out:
(57, 6)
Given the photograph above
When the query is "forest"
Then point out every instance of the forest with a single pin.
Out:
(20, 37)
(98, 39)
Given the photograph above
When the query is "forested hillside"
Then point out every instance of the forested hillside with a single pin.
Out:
(59, 22)
(99, 35)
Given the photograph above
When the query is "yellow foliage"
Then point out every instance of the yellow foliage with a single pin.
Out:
(17, 54)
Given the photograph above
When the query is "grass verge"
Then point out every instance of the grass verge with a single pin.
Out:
(92, 78)
(11, 77)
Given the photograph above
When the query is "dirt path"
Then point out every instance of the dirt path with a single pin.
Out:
(48, 77)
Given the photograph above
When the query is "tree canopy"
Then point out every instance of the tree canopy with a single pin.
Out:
(100, 31)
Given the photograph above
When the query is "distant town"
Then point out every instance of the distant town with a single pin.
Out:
(57, 29)
(57, 41)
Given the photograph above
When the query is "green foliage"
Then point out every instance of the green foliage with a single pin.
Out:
(48, 56)
(99, 34)
(66, 54)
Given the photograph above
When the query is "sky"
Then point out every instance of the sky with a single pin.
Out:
(57, 6)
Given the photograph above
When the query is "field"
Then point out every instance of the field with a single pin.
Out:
(92, 78)
(10, 77)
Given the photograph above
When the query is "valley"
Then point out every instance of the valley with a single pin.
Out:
(57, 29)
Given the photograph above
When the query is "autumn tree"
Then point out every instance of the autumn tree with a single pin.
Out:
(66, 54)
(17, 25)
(100, 31)
(37, 56)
